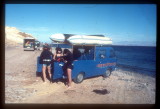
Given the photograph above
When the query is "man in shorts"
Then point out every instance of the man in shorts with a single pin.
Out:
(46, 57)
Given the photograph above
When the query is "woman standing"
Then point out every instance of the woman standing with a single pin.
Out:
(68, 66)
(58, 56)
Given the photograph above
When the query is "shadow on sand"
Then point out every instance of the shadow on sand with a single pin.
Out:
(101, 92)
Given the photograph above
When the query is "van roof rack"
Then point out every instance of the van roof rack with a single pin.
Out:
(96, 35)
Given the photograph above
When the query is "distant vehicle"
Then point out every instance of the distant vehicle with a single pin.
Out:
(29, 43)
(89, 61)
(41, 46)
(37, 45)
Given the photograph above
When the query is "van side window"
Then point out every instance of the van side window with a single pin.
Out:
(83, 53)
(102, 54)
(112, 54)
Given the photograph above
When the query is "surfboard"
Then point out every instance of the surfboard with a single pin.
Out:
(89, 40)
(57, 37)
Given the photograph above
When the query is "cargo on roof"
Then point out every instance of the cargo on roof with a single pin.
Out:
(81, 39)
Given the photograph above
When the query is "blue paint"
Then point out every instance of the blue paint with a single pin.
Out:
(91, 64)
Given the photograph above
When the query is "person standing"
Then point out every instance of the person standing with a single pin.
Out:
(58, 57)
(46, 57)
(68, 65)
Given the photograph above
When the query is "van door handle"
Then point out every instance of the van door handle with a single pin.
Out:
(100, 62)
(60, 64)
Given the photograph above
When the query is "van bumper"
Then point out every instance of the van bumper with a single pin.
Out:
(28, 49)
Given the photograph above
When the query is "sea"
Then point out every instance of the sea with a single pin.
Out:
(140, 59)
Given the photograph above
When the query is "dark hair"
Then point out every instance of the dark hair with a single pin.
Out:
(58, 49)
(66, 51)
(46, 47)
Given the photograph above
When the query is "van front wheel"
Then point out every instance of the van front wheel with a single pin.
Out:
(79, 78)
(107, 73)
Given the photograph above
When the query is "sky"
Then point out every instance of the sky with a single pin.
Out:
(125, 24)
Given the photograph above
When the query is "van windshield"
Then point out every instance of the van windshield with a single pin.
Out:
(28, 43)
(83, 52)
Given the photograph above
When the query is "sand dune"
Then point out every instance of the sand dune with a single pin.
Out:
(14, 36)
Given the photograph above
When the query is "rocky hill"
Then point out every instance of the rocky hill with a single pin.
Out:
(14, 36)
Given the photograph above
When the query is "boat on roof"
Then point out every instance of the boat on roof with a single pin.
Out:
(81, 39)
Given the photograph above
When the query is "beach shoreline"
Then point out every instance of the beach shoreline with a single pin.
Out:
(22, 85)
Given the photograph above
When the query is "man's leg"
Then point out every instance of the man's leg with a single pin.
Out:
(49, 71)
(44, 72)
(69, 71)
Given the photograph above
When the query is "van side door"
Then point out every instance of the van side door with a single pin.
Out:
(101, 59)
(57, 70)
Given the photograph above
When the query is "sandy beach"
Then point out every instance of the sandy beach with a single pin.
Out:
(22, 85)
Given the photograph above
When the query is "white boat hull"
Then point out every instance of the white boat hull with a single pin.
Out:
(89, 40)
(82, 39)
(57, 37)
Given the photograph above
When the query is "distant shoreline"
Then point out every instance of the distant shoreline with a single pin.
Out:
(134, 45)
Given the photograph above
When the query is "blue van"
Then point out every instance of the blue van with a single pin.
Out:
(89, 61)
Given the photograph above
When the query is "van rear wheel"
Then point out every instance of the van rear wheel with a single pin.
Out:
(79, 78)
(107, 73)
